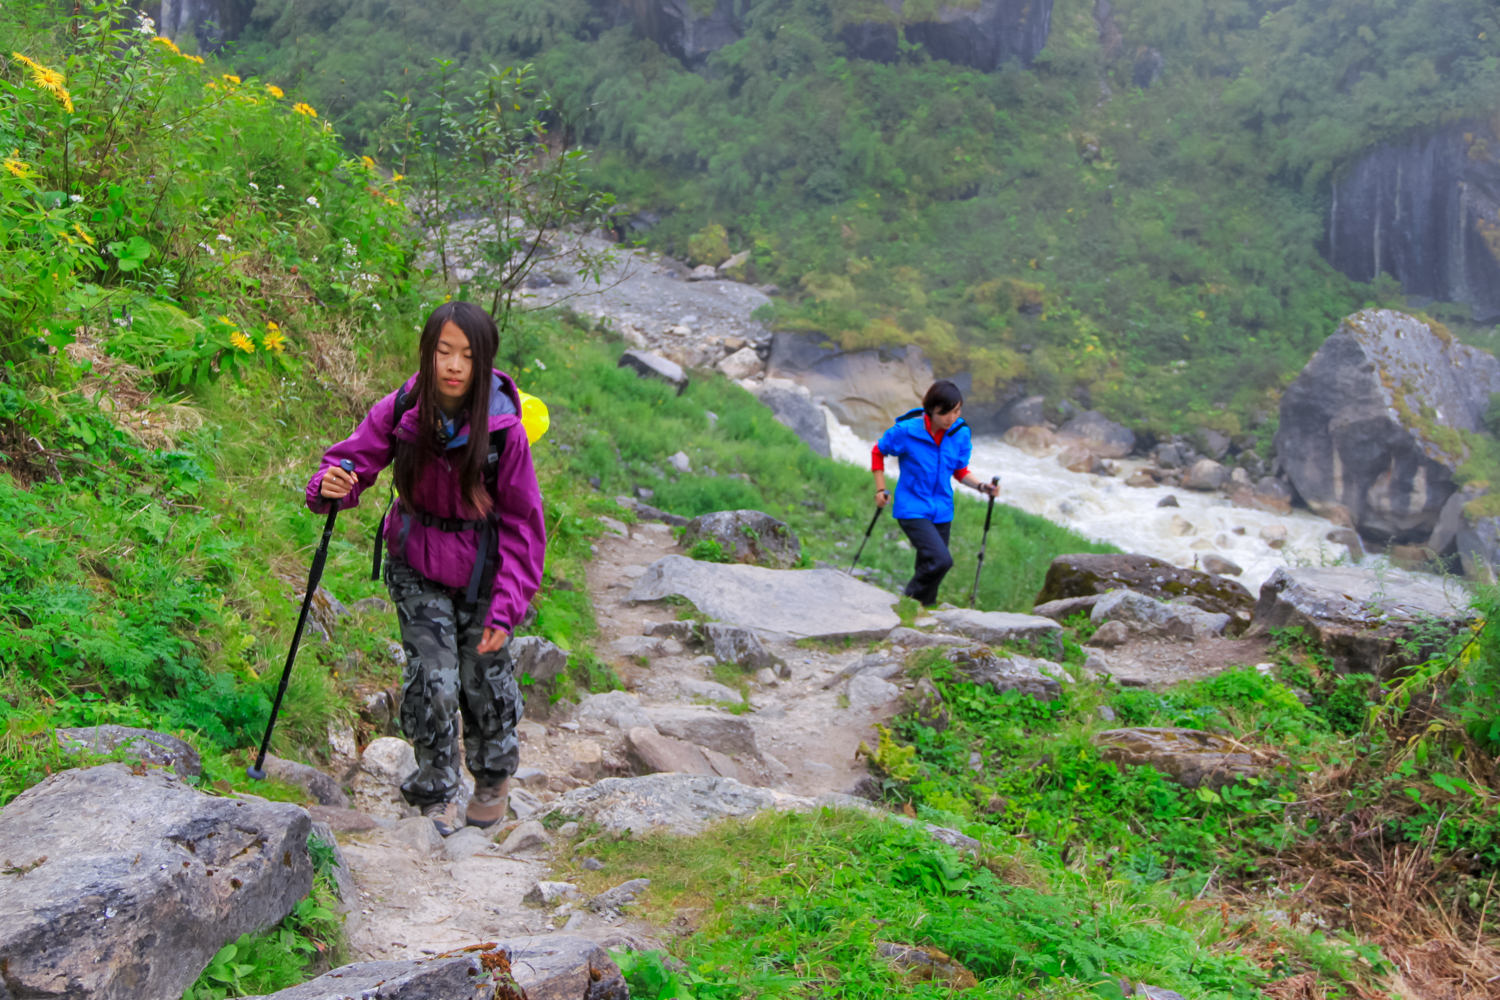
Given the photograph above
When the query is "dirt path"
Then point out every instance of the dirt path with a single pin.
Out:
(414, 899)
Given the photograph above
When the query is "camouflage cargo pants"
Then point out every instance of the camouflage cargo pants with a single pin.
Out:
(445, 678)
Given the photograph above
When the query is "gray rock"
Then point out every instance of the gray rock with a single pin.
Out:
(343, 876)
(1156, 993)
(419, 834)
(1016, 673)
(728, 734)
(144, 879)
(611, 901)
(1187, 756)
(1211, 442)
(385, 764)
(1206, 474)
(1106, 714)
(709, 690)
(910, 638)
(648, 365)
(459, 978)
(1168, 501)
(372, 606)
(680, 461)
(866, 390)
(739, 646)
(1352, 434)
(547, 893)
(156, 749)
(1219, 566)
(590, 864)
(798, 412)
(1109, 635)
(465, 843)
(869, 693)
(1066, 608)
(346, 820)
(993, 627)
(1174, 456)
(1479, 549)
(746, 536)
(537, 658)
(323, 788)
(653, 753)
(532, 777)
(681, 631)
(641, 645)
(1150, 617)
(810, 603)
(1086, 573)
(1361, 618)
(1027, 412)
(646, 512)
(683, 804)
(1444, 538)
(562, 967)
(524, 804)
(1101, 436)
(619, 709)
(527, 837)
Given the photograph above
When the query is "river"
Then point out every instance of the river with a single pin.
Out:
(1105, 509)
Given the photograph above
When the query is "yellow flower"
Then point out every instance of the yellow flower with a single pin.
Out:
(369, 163)
(230, 78)
(304, 109)
(196, 59)
(273, 341)
(81, 232)
(242, 342)
(167, 43)
(47, 79)
(17, 168)
(397, 177)
(275, 91)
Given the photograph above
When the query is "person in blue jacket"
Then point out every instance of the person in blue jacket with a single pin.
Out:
(933, 444)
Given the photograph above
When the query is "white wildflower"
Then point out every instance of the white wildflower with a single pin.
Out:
(313, 202)
(222, 238)
(75, 198)
(281, 187)
(538, 363)
(253, 186)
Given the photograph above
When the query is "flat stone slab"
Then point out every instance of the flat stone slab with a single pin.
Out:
(1360, 617)
(776, 603)
(683, 804)
(993, 627)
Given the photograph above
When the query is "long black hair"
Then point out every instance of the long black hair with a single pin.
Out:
(411, 460)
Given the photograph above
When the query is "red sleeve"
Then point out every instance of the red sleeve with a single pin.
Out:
(877, 460)
(959, 475)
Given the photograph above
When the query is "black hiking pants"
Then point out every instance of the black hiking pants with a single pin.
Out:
(933, 558)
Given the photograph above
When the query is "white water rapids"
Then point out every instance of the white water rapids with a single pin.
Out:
(1103, 508)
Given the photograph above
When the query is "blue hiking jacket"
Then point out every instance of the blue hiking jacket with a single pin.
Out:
(925, 488)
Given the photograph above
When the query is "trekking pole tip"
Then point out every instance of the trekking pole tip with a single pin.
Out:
(255, 773)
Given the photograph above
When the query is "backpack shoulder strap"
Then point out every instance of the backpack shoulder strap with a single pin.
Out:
(404, 402)
(917, 412)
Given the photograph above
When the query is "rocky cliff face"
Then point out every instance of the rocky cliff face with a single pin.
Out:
(1367, 430)
(1426, 212)
(982, 37)
(211, 22)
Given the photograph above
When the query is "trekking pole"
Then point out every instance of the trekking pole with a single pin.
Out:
(983, 541)
(256, 771)
(865, 539)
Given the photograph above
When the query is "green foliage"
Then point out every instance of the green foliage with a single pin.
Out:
(708, 550)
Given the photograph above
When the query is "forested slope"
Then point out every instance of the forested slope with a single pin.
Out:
(1153, 250)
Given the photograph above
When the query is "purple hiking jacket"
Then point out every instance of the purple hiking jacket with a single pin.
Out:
(448, 558)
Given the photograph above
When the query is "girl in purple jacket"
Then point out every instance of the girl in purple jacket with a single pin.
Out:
(465, 546)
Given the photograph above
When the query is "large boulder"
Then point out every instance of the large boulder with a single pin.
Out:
(1363, 619)
(796, 410)
(1101, 436)
(653, 753)
(1189, 757)
(157, 749)
(125, 885)
(1147, 616)
(321, 788)
(1085, 574)
(866, 390)
(728, 734)
(774, 603)
(746, 536)
(1367, 430)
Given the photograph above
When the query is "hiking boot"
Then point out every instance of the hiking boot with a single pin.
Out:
(444, 816)
(487, 807)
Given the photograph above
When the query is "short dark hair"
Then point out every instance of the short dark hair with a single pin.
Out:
(943, 397)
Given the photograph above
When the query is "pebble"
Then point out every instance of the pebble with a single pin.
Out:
(591, 864)
(568, 829)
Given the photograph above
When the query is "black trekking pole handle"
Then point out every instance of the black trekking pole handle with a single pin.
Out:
(861, 548)
(256, 771)
(984, 540)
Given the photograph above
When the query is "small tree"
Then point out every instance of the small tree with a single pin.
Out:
(495, 185)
